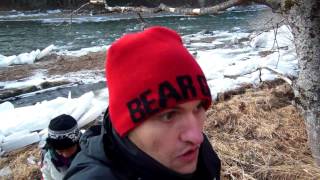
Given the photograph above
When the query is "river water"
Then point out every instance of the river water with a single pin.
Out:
(24, 32)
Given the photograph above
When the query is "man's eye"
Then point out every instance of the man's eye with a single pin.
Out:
(167, 116)
(200, 107)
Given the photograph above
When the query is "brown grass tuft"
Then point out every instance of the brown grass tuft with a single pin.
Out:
(18, 163)
(259, 135)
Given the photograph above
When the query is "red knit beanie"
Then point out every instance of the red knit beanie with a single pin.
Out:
(148, 72)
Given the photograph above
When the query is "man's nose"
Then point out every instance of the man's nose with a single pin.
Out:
(65, 154)
(192, 130)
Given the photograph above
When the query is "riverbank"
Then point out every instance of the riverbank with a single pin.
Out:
(257, 133)
(53, 66)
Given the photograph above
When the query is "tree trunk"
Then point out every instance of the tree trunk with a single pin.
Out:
(304, 19)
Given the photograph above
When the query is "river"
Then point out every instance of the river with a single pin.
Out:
(22, 32)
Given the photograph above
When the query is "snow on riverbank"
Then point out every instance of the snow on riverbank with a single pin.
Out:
(25, 58)
(228, 69)
(229, 60)
(30, 58)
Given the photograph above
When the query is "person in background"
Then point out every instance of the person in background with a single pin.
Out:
(62, 145)
(153, 128)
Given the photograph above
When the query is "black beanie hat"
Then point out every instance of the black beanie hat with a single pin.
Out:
(63, 132)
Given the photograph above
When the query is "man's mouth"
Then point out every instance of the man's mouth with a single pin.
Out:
(190, 155)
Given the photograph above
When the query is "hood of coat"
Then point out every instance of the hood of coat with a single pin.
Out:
(91, 144)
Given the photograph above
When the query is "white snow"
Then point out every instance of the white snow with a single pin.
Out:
(30, 58)
(82, 77)
(266, 40)
(226, 68)
(6, 106)
(230, 68)
(25, 58)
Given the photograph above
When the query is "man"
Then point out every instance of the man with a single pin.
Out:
(153, 128)
(62, 146)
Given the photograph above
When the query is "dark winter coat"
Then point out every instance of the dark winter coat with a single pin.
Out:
(107, 156)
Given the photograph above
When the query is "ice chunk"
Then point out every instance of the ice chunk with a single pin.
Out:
(26, 58)
(16, 135)
(6, 106)
(83, 104)
(93, 113)
(45, 52)
(19, 142)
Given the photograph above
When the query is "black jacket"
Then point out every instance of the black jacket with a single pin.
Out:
(107, 156)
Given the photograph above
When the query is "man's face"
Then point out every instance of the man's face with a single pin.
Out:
(68, 152)
(173, 137)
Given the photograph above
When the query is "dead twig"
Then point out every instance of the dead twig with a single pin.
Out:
(75, 11)
(279, 74)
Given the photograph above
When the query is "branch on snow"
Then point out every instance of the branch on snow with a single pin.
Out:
(279, 74)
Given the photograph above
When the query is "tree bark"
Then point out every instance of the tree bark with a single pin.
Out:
(304, 19)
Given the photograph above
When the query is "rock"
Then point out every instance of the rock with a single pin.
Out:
(265, 53)
(5, 172)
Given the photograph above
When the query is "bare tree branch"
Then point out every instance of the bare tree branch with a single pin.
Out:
(75, 11)
(143, 22)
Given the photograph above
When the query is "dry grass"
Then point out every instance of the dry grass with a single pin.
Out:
(257, 134)
(18, 163)
(260, 135)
